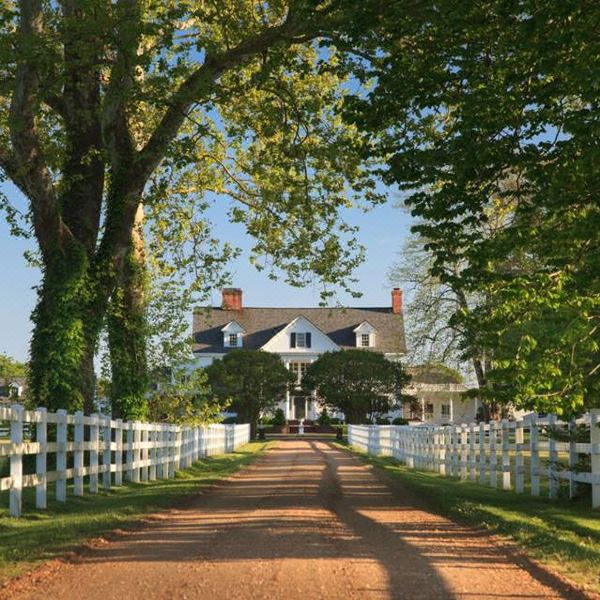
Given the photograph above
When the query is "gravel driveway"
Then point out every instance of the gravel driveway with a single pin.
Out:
(307, 520)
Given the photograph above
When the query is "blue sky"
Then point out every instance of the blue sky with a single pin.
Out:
(382, 231)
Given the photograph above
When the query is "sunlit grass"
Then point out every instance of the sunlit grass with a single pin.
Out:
(562, 534)
(43, 534)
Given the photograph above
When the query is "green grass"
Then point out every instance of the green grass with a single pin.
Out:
(43, 534)
(562, 534)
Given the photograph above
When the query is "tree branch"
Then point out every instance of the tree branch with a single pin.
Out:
(200, 84)
(32, 174)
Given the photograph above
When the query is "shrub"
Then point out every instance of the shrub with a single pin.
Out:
(278, 417)
(382, 421)
(324, 418)
(229, 421)
(400, 421)
(334, 421)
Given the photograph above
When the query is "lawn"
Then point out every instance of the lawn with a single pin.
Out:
(41, 535)
(562, 534)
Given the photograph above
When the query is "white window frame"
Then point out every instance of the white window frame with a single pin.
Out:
(365, 337)
(233, 340)
(300, 340)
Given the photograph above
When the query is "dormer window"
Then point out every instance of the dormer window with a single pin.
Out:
(365, 335)
(300, 340)
(233, 334)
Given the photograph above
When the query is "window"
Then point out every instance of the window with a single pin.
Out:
(299, 369)
(300, 340)
(233, 340)
(445, 410)
(365, 340)
(429, 408)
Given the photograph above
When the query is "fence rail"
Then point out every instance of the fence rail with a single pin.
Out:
(511, 454)
(97, 445)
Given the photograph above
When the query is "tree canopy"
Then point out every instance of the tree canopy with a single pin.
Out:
(359, 383)
(252, 381)
(120, 119)
(496, 106)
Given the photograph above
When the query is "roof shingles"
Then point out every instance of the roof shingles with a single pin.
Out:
(261, 324)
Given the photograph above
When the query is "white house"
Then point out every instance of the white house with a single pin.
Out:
(301, 335)
(298, 335)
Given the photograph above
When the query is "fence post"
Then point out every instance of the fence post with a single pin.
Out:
(78, 455)
(106, 454)
(144, 451)
(61, 455)
(16, 460)
(534, 456)
(129, 464)
(595, 455)
(137, 434)
(573, 457)
(472, 453)
(455, 451)
(482, 457)
(94, 440)
(119, 452)
(519, 465)
(153, 441)
(552, 457)
(505, 455)
(463, 452)
(493, 455)
(41, 435)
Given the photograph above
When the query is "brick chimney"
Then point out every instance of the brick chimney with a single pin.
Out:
(396, 301)
(232, 299)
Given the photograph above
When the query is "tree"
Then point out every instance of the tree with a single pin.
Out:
(10, 369)
(105, 106)
(253, 382)
(495, 93)
(184, 398)
(359, 383)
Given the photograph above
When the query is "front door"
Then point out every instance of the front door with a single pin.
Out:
(299, 407)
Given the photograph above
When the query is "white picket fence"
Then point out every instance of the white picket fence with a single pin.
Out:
(518, 453)
(114, 449)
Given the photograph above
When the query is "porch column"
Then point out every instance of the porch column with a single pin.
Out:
(451, 409)
(423, 409)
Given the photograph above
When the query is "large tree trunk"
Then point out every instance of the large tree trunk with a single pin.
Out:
(64, 334)
(127, 331)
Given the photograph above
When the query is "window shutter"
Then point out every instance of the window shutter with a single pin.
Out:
(308, 336)
(293, 340)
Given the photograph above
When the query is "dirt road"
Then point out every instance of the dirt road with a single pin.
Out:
(305, 521)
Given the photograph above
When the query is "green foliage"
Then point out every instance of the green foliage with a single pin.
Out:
(324, 419)
(399, 421)
(185, 398)
(253, 382)
(114, 105)
(278, 417)
(489, 122)
(9, 368)
(358, 383)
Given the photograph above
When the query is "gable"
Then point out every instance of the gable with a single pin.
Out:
(365, 327)
(284, 340)
(233, 327)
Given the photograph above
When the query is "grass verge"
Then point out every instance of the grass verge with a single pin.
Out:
(40, 535)
(562, 534)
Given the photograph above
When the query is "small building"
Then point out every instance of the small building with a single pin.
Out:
(439, 393)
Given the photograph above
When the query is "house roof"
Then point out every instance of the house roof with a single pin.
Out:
(261, 324)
